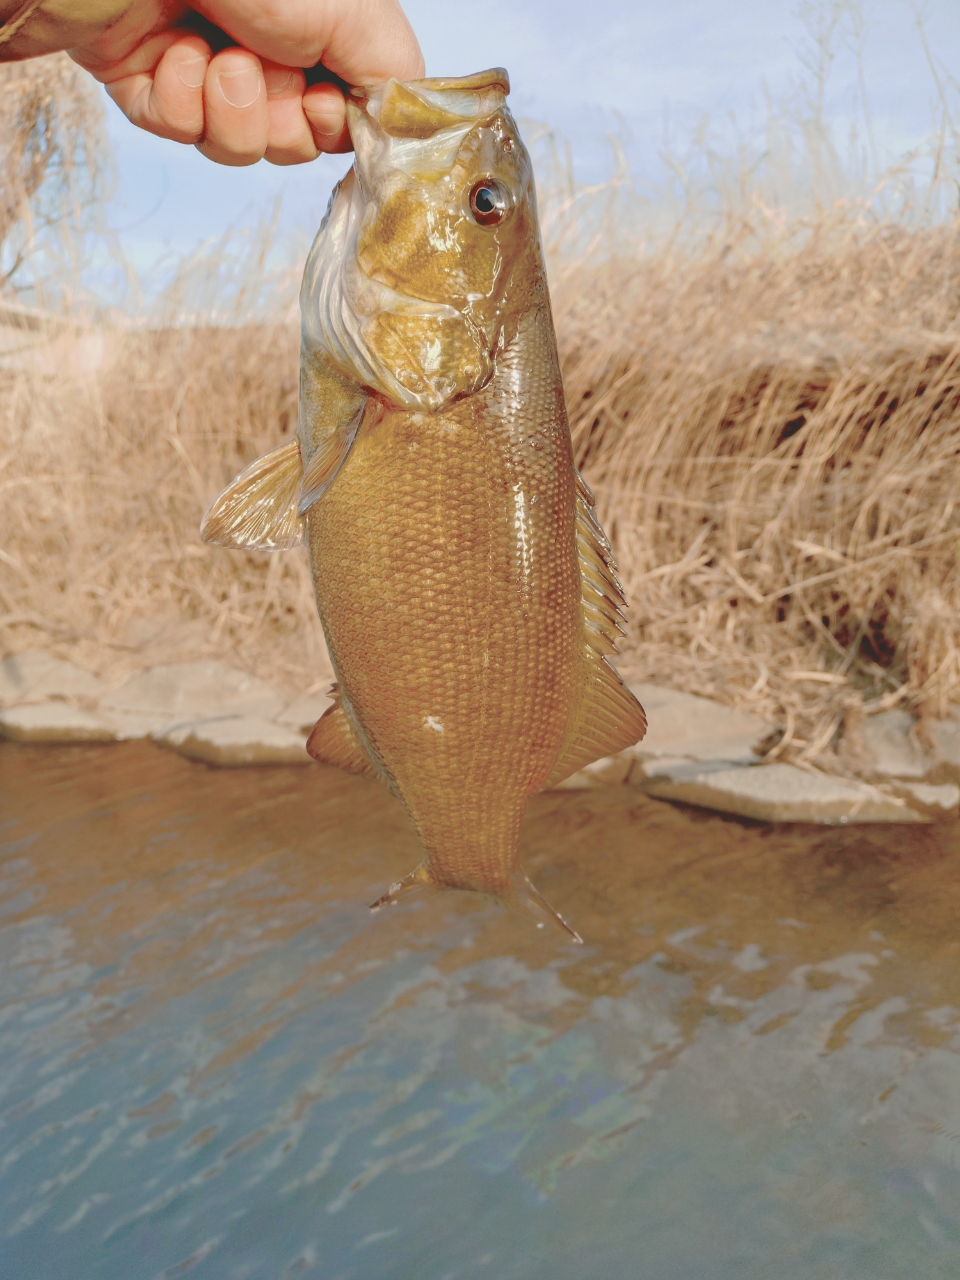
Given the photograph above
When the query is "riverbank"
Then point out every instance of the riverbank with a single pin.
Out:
(696, 751)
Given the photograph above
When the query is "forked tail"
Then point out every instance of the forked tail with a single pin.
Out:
(521, 896)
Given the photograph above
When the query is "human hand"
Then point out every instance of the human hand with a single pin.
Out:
(161, 65)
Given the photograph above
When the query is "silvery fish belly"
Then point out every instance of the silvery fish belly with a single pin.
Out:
(467, 593)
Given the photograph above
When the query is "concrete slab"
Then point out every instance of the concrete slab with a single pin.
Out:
(236, 740)
(36, 676)
(53, 721)
(780, 793)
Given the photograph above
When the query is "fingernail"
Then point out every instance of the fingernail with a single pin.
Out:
(276, 86)
(240, 88)
(191, 72)
(330, 127)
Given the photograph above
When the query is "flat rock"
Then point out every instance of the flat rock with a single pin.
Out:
(53, 721)
(686, 725)
(779, 793)
(127, 725)
(888, 747)
(236, 740)
(945, 738)
(304, 712)
(188, 691)
(939, 801)
(36, 676)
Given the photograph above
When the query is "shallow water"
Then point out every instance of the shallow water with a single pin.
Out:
(214, 1062)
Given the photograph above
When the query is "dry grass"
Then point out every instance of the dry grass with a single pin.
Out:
(766, 400)
(54, 163)
(103, 482)
(773, 431)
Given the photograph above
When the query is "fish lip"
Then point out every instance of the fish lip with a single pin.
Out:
(493, 78)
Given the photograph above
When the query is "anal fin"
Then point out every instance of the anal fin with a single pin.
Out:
(258, 511)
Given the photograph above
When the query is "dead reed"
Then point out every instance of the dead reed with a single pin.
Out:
(773, 432)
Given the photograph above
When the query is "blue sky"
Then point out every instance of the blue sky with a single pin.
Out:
(632, 67)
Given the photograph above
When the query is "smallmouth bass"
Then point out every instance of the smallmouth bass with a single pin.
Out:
(466, 589)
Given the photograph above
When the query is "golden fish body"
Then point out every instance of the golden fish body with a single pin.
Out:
(467, 593)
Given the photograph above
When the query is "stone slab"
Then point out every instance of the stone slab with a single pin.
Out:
(940, 801)
(184, 691)
(304, 712)
(129, 725)
(236, 740)
(889, 748)
(684, 724)
(36, 676)
(780, 793)
(53, 721)
(945, 738)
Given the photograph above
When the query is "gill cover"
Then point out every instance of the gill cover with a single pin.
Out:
(406, 289)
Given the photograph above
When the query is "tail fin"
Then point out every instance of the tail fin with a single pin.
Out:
(525, 897)
(520, 896)
(411, 885)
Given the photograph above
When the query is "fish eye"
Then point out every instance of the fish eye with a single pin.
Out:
(488, 202)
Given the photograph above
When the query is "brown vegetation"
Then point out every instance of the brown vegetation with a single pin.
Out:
(766, 401)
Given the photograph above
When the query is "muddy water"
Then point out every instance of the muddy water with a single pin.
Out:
(214, 1062)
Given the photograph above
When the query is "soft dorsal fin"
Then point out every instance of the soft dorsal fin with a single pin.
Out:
(331, 454)
(609, 718)
(334, 741)
(258, 511)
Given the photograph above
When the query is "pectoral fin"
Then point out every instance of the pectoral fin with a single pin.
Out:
(609, 718)
(258, 511)
(331, 454)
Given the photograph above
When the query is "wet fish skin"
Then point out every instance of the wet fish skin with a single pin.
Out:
(467, 593)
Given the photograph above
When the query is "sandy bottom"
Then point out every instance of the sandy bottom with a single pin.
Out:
(215, 1063)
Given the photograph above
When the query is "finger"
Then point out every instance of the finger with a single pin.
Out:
(236, 115)
(363, 41)
(289, 137)
(326, 110)
(164, 93)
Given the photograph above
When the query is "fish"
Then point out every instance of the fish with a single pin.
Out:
(467, 591)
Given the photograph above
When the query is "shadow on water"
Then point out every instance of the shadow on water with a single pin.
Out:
(214, 1062)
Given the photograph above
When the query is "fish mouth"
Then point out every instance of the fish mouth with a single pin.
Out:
(493, 78)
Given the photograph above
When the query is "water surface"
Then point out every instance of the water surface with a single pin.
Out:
(215, 1063)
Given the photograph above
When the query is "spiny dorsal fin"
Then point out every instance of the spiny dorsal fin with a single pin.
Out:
(609, 718)
(322, 469)
(334, 741)
(258, 511)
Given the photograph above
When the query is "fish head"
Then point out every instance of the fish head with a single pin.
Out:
(437, 238)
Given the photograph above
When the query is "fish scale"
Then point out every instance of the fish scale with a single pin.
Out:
(466, 590)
